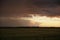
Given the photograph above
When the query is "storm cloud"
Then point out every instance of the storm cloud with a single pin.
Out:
(23, 7)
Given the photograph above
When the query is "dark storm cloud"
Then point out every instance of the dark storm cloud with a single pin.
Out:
(23, 7)
(47, 7)
(14, 8)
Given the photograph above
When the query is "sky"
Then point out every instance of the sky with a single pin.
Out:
(23, 8)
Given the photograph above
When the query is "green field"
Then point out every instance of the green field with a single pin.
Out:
(29, 33)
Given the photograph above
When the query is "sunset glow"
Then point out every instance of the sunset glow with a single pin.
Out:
(44, 21)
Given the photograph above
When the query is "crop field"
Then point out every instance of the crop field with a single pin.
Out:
(29, 33)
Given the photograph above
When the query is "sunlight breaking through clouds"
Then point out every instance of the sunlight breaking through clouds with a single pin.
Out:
(44, 21)
(31, 20)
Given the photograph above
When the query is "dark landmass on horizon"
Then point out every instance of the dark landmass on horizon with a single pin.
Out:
(30, 33)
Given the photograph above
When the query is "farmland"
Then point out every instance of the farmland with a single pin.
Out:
(29, 33)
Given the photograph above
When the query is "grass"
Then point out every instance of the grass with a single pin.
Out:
(29, 33)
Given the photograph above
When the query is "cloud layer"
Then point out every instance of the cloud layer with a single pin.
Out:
(23, 7)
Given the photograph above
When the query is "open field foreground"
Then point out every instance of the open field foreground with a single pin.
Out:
(29, 33)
